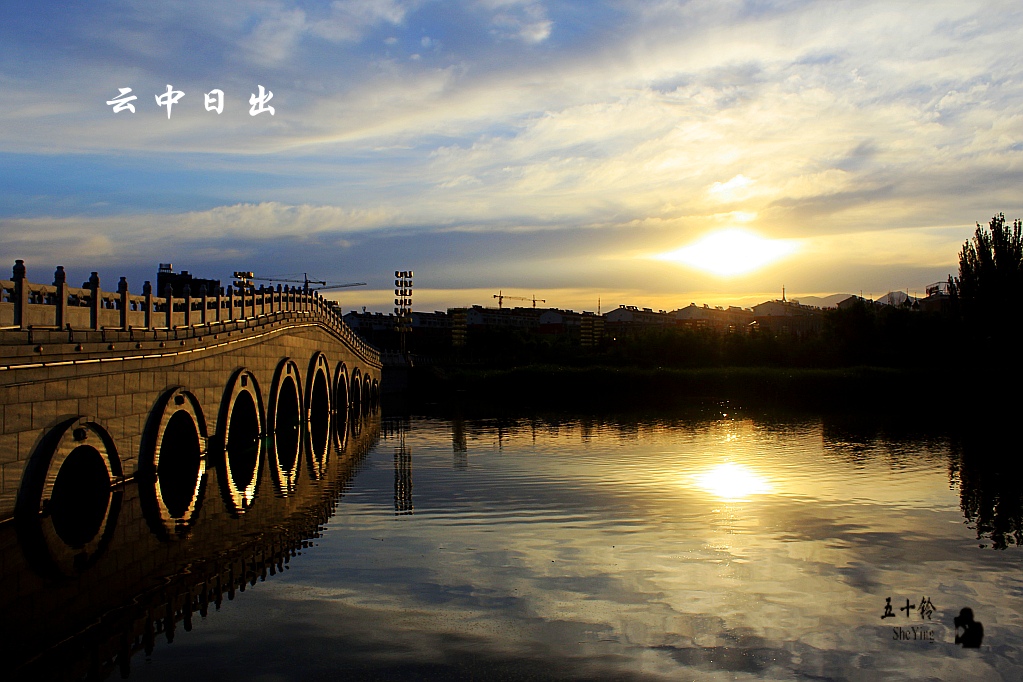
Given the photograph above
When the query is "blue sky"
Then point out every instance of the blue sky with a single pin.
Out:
(550, 148)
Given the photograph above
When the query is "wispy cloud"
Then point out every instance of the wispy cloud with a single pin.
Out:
(795, 119)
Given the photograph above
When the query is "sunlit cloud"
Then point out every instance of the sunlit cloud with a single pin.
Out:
(656, 122)
(731, 252)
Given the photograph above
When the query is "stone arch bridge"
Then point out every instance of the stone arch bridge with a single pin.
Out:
(99, 387)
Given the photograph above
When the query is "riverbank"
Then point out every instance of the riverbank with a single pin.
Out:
(589, 388)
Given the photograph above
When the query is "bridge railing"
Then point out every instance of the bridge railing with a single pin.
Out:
(27, 306)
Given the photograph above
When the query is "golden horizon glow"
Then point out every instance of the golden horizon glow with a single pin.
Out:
(731, 252)
(732, 481)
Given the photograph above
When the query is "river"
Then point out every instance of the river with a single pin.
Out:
(715, 544)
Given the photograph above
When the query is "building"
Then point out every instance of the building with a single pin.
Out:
(787, 317)
(429, 330)
(179, 280)
(731, 319)
(631, 317)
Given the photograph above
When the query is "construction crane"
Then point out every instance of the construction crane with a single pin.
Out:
(305, 282)
(500, 296)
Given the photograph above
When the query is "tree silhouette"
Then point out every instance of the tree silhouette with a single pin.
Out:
(988, 290)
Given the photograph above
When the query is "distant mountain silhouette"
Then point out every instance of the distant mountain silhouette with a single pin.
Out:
(896, 298)
(823, 301)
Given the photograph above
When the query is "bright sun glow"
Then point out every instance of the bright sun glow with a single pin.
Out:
(732, 482)
(730, 252)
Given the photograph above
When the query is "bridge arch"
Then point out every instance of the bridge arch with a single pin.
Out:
(318, 413)
(284, 426)
(341, 388)
(340, 405)
(241, 438)
(172, 466)
(69, 501)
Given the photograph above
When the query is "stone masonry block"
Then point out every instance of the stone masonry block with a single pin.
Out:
(67, 407)
(106, 407)
(141, 403)
(132, 382)
(30, 393)
(55, 389)
(115, 384)
(9, 448)
(77, 387)
(44, 414)
(97, 385)
(17, 417)
(87, 406)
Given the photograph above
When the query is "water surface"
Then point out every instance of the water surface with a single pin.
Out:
(716, 547)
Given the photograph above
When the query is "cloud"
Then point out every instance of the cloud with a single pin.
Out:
(274, 38)
(349, 19)
(526, 21)
(651, 122)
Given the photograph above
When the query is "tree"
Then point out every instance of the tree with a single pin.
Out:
(989, 289)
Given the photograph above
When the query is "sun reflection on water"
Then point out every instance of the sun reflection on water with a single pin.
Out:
(731, 481)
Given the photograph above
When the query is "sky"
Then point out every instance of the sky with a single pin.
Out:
(626, 152)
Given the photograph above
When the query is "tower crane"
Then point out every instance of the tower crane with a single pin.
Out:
(500, 296)
(305, 282)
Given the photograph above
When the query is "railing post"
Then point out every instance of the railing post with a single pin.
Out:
(60, 282)
(187, 291)
(147, 291)
(168, 292)
(220, 302)
(262, 299)
(272, 295)
(253, 306)
(230, 301)
(20, 295)
(122, 289)
(241, 307)
(204, 295)
(96, 303)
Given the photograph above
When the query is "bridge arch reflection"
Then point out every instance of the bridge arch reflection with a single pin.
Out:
(172, 466)
(284, 426)
(241, 429)
(319, 410)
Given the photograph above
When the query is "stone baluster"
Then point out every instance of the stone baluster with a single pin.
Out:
(60, 282)
(20, 295)
(273, 294)
(253, 305)
(168, 292)
(220, 303)
(230, 302)
(125, 303)
(262, 299)
(187, 291)
(96, 304)
(204, 295)
(147, 291)
(241, 307)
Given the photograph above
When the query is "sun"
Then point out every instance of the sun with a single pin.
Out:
(731, 252)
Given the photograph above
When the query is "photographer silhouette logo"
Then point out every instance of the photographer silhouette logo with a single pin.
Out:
(969, 632)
